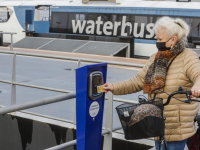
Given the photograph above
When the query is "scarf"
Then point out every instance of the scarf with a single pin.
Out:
(157, 71)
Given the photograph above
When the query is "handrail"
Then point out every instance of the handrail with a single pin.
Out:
(71, 143)
(35, 86)
(14, 83)
(44, 101)
(11, 33)
(63, 91)
(45, 18)
(75, 59)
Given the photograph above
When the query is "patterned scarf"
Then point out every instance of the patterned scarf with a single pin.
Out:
(157, 71)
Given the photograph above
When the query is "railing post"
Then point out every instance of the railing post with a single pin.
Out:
(109, 123)
(79, 63)
(128, 51)
(11, 46)
(78, 66)
(13, 86)
(11, 33)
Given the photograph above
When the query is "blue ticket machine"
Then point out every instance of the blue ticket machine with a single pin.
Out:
(89, 106)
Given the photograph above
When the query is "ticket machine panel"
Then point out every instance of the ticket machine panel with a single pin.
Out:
(95, 79)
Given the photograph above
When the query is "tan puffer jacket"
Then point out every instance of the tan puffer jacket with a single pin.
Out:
(184, 71)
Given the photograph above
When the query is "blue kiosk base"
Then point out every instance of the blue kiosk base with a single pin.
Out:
(89, 106)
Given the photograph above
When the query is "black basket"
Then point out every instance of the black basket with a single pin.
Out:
(141, 121)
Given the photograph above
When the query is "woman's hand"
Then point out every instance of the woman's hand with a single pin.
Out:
(108, 87)
(195, 91)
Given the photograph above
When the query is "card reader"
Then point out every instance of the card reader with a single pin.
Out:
(95, 80)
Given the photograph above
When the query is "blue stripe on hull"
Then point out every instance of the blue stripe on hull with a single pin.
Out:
(20, 13)
(145, 41)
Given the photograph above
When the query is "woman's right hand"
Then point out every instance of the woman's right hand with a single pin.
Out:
(108, 87)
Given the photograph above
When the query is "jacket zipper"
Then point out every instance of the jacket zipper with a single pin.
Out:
(179, 115)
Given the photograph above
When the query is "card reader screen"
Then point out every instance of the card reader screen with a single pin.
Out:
(96, 81)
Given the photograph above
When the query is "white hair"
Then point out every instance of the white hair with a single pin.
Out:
(173, 26)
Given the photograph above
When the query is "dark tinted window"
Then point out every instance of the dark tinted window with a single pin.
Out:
(142, 25)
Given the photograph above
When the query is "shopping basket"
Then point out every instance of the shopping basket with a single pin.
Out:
(142, 120)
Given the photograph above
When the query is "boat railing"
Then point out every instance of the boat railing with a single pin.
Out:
(46, 18)
(11, 42)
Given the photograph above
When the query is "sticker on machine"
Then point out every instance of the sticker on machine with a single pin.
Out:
(94, 109)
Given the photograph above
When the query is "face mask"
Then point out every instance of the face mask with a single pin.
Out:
(161, 46)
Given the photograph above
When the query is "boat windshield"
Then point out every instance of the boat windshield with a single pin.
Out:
(5, 14)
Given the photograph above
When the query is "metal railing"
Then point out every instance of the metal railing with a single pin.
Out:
(108, 131)
(14, 83)
(37, 103)
(11, 42)
(74, 59)
(71, 143)
(46, 18)
(19, 107)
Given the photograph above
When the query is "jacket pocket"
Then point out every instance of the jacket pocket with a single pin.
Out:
(172, 115)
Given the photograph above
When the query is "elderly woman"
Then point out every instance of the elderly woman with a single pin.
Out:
(184, 71)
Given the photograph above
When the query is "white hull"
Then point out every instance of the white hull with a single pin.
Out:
(12, 25)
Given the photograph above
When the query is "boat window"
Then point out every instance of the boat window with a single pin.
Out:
(44, 13)
(141, 26)
(59, 22)
(5, 14)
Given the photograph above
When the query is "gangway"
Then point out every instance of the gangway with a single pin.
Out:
(74, 46)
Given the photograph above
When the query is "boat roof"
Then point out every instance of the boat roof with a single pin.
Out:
(126, 3)
(73, 46)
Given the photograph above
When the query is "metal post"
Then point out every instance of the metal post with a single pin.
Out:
(109, 123)
(11, 46)
(49, 12)
(78, 66)
(79, 63)
(128, 51)
(13, 86)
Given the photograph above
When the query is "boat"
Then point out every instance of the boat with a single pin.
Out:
(128, 25)
(130, 21)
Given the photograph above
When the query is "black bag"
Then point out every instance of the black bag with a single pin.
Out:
(142, 120)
